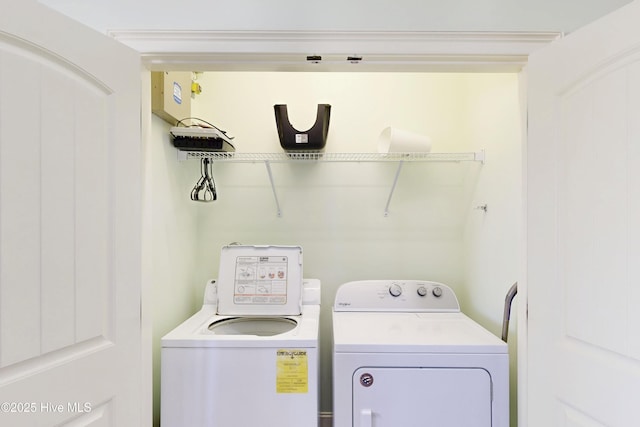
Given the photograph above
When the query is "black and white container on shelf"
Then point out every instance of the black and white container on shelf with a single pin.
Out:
(311, 140)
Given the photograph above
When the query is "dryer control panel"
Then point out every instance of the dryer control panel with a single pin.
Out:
(396, 295)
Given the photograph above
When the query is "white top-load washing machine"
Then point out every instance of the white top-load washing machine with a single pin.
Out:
(249, 357)
(404, 355)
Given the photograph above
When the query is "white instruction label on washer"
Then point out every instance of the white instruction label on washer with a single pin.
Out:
(261, 280)
(292, 371)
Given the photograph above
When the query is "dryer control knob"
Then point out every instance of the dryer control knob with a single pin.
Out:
(422, 291)
(395, 290)
(437, 292)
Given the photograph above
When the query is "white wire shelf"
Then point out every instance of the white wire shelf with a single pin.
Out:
(477, 156)
(302, 156)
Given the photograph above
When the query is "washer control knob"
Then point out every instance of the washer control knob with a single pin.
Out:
(395, 290)
(422, 291)
(437, 292)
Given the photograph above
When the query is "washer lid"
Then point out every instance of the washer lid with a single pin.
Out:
(258, 326)
(195, 333)
(260, 281)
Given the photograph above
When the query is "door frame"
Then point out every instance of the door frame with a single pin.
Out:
(423, 51)
(397, 51)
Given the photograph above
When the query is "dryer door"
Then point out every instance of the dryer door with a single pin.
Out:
(412, 397)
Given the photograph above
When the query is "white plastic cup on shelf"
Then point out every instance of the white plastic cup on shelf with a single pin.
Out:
(394, 140)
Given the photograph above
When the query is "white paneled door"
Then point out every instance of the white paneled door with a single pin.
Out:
(583, 227)
(70, 221)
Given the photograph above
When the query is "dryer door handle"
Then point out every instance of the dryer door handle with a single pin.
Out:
(366, 418)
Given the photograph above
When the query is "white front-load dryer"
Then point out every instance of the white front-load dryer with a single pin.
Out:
(404, 355)
(252, 359)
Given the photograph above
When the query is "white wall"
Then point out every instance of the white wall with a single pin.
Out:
(170, 241)
(492, 239)
(352, 15)
(335, 210)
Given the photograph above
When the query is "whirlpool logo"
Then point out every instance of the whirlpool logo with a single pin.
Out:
(344, 304)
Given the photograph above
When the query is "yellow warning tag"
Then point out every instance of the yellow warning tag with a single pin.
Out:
(292, 375)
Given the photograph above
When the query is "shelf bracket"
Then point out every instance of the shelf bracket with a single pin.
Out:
(393, 187)
(273, 187)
